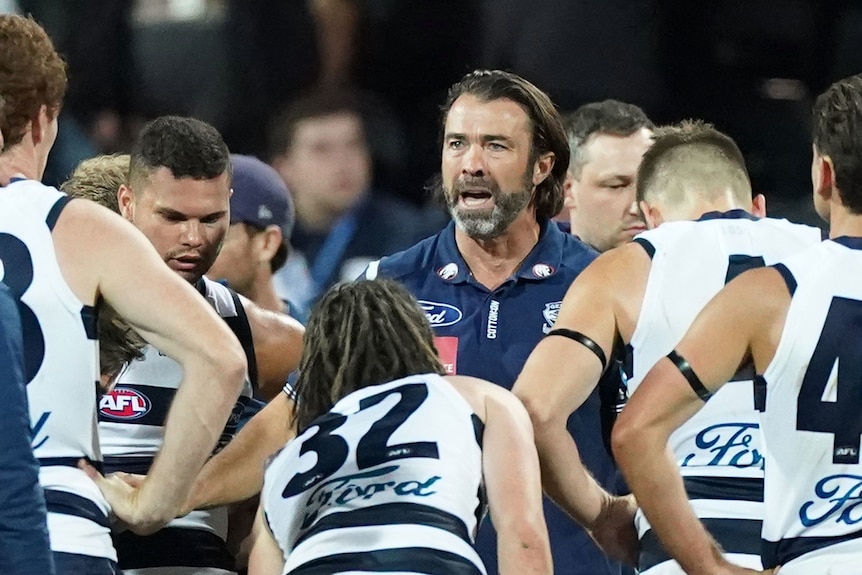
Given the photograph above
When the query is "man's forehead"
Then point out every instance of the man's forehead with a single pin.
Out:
(468, 110)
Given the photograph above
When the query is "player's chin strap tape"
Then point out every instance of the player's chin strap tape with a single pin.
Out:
(688, 373)
(584, 341)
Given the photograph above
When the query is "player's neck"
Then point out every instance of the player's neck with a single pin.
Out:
(844, 223)
(494, 260)
(19, 162)
(262, 292)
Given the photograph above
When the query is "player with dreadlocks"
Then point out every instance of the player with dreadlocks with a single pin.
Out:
(404, 458)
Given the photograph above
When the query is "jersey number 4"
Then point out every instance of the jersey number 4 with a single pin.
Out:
(837, 359)
(373, 449)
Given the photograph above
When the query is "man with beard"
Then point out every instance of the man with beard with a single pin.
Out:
(492, 281)
(497, 277)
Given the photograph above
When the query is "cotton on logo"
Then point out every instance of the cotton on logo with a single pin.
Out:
(124, 403)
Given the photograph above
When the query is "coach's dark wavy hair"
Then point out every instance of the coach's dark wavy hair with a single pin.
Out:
(360, 334)
(837, 133)
(548, 132)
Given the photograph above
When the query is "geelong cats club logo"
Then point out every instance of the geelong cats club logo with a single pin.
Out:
(124, 403)
(550, 314)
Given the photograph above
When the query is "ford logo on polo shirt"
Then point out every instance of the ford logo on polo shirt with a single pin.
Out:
(440, 314)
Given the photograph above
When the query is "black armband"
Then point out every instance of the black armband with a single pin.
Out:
(690, 376)
(584, 341)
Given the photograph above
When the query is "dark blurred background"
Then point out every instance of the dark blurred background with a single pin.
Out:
(751, 68)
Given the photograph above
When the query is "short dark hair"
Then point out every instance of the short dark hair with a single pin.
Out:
(360, 334)
(188, 147)
(548, 133)
(610, 117)
(692, 155)
(837, 133)
(32, 75)
(317, 103)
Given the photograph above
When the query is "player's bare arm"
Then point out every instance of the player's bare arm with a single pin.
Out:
(236, 472)
(600, 306)
(172, 316)
(277, 346)
(744, 320)
(511, 471)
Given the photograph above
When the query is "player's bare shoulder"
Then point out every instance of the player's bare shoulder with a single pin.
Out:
(480, 393)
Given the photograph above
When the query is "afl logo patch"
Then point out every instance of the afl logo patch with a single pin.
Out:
(440, 314)
(448, 271)
(542, 270)
(124, 403)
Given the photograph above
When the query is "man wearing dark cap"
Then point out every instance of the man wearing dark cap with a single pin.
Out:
(256, 245)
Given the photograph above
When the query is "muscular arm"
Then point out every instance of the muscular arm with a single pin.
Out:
(277, 346)
(266, 556)
(102, 254)
(236, 473)
(561, 373)
(734, 325)
(510, 467)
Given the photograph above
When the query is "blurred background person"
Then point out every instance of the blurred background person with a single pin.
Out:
(257, 242)
(319, 146)
(607, 140)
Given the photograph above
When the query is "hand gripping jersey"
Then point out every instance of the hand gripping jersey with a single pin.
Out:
(718, 450)
(131, 428)
(389, 480)
(813, 417)
(61, 368)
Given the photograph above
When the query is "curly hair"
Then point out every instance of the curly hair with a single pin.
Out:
(837, 121)
(360, 334)
(548, 132)
(98, 179)
(32, 75)
(188, 147)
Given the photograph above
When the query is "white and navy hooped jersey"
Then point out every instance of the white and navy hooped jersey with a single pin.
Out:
(719, 449)
(813, 416)
(131, 428)
(61, 367)
(389, 480)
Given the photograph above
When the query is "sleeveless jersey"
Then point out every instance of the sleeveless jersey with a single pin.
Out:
(61, 368)
(813, 416)
(719, 449)
(131, 428)
(387, 481)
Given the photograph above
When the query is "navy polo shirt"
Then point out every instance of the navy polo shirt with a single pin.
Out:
(490, 333)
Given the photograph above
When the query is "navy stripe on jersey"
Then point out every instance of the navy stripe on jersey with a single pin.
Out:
(138, 465)
(90, 319)
(172, 547)
(725, 488)
(776, 553)
(240, 327)
(158, 402)
(646, 245)
(390, 514)
(66, 503)
(404, 559)
(56, 209)
(734, 536)
(788, 277)
(68, 462)
(478, 428)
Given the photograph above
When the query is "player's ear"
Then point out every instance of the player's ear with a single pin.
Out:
(652, 215)
(758, 206)
(126, 200)
(569, 184)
